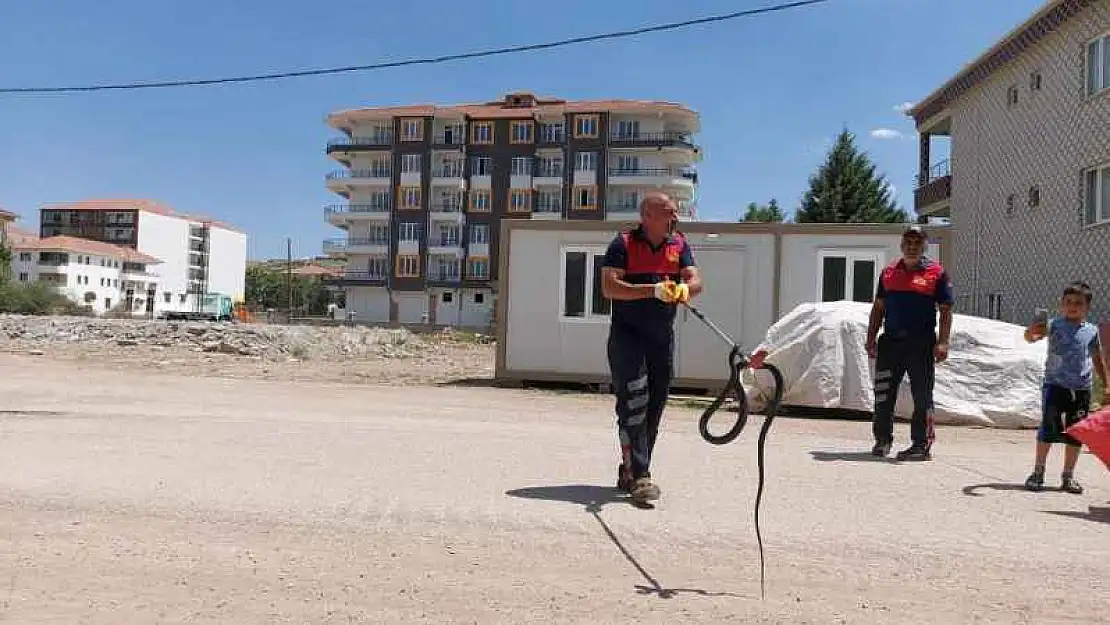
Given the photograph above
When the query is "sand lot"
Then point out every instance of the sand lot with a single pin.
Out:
(149, 497)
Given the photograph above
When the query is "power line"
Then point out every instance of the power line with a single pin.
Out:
(419, 61)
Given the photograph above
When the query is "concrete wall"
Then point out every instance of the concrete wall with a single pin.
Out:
(167, 239)
(227, 265)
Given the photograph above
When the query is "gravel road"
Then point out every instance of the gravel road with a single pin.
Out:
(149, 497)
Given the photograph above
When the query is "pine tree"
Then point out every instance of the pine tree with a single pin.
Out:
(846, 189)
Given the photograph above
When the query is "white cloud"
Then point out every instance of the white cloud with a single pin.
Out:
(886, 133)
(903, 108)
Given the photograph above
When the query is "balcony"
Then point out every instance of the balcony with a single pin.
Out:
(345, 180)
(356, 245)
(360, 144)
(445, 246)
(341, 215)
(443, 272)
(933, 195)
(674, 177)
(446, 211)
(449, 174)
(622, 211)
(448, 139)
(547, 210)
(358, 277)
(652, 140)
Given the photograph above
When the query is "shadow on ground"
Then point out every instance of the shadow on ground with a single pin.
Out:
(593, 499)
(849, 456)
(1096, 514)
(973, 490)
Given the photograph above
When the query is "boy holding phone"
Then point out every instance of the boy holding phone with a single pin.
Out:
(1074, 354)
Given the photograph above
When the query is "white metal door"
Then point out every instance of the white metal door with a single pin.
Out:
(700, 353)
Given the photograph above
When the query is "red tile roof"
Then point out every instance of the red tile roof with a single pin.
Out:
(7, 214)
(500, 109)
(64, 243)
(19, 235)
(148, 206)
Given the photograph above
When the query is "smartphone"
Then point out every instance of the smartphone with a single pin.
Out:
(1040, 316)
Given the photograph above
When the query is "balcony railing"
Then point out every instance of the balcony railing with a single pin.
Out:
(456, 139)
(550, 171)
(361, 275)
(358, 208)
(653, 172)
(445, 274)
(356, 142)
(444, 242)
(343, 244)
(445, 207)
(548, 207)
(379, 172)
(449, 171)
(937, 171)
(681, 138)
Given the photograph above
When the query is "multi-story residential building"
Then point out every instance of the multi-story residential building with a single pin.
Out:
(427, 187)
(102, 276)
(199, 255)
(1026, 184)
(5, 219)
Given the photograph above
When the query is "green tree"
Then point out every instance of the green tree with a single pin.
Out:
(5, 263)
(847, 189)
(769, 212)
(267, 287)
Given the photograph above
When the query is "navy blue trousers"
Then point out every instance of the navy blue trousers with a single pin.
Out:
(641, 367)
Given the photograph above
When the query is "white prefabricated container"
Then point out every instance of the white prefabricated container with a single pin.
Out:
(552, 323)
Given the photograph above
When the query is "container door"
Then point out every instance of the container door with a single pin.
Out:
(700, 353)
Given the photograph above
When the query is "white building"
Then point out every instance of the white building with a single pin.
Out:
(427, 186)
(91, 273)
(198, 255)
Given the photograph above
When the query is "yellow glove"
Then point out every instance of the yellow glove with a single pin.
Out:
(681, 293)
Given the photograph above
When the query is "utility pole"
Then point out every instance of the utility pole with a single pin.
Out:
(289, 273)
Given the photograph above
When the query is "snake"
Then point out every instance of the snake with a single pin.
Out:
(737, 362)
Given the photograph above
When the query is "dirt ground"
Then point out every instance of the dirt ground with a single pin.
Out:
(147, 496)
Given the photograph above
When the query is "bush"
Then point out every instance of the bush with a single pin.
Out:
(36, 298)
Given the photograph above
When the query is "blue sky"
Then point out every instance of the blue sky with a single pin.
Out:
(772, 91)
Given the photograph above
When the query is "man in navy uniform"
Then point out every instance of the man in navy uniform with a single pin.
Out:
(910, 292)
(647, 272)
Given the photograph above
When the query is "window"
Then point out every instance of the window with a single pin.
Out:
(412, 130)
(480, 201)
(585, 161)
(23, 277)
(409, 232)
(377, 267)
(378, 234)
(581, 284)
(549, 201)
(480, 166)
(585, 126)
(628, 163)
(481, 133)
(627, 129)
(551, 132)
(408, 266)
(1010, 205)
(166, 296)
(585, 198)
(521, 166)
(994, 306)
(520, 200)
(477, 268)
(550, 167)
(447, 297)
(410, 163)
(479, 234)
(848, 275)
(521, 131)
(1098, 65)
(408, 198)
(1035, 81)
(624, 200)
(1034, 196)
(1012, 95)
(1097, 195)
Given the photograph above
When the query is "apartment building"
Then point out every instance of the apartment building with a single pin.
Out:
(1026, 181)
(6, 218)
(99, 275)
(426, 188)
(198, 255)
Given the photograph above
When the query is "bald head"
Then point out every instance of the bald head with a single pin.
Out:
(657, 213)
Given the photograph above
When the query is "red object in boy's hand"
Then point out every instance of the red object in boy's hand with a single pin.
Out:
(1094, 432)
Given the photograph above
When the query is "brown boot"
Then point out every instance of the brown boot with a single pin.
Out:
(644, 490)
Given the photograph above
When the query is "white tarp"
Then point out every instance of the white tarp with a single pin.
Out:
(992, 376)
